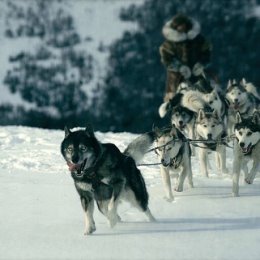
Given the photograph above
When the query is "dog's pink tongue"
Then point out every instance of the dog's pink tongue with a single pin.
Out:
(72, 166)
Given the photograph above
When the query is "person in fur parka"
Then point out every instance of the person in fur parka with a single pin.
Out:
(185, 52)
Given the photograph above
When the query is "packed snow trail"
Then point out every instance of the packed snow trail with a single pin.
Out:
(41, 215)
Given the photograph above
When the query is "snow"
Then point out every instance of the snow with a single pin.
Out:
(41, 215)
(97, 22)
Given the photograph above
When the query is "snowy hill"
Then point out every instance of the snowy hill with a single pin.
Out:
(41, 215)
(98, 24)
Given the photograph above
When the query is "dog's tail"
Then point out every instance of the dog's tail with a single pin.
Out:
(193, 101)
(139, 146)
(163, 109)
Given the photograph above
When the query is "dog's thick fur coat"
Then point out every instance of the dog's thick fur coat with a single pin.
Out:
(102, 173)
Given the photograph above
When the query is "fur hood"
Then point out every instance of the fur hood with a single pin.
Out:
(172, 35)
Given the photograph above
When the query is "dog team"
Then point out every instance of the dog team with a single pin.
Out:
(203, 118)
(204, 121)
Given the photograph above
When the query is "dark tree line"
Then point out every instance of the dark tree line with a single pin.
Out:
(50, 76)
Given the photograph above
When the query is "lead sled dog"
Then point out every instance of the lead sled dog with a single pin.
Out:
(104, 174)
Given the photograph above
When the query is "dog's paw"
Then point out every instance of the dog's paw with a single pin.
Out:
(178, 189)
(118, 218)
(235, 194)
(112, 222)
(112, 219)
(248, 181)
(191, 185)
(91, 229)
(169, 199)
(152, 219)
(225, 171)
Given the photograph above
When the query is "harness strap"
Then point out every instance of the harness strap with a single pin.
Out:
(176, 161)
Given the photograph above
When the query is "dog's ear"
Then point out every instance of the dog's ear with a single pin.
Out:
(229, 84)
(67, 131)
(243, 82)
(234, 82)
(215, 114)
(89, 130)
(164, 109)
(256, 117)
(238, 118)
(201, 114)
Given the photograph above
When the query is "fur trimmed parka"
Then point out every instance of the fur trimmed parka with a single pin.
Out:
(184, 49)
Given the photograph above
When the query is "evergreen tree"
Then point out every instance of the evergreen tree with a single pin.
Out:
(50, 76)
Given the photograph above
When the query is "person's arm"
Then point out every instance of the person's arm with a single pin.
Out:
(204, 56)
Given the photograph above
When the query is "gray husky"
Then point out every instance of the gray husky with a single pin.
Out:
(210, 129)
(246, 148)
(242, 99)
(175, 155)
(104, 174)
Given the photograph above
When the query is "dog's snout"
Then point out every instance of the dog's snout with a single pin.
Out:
(162, 161)
(209, 136)
(75, 159)
(180, 122)
(242, 144)
(235, 100)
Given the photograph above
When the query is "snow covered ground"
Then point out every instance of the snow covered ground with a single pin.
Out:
(41, 215)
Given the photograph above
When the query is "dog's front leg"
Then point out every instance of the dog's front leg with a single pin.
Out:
(191, 133)
(251, 176)
(87, 203)
(221, 154)
(203, 158)
(189, 172)
(236, 171)
(182, 175)
(167, 183)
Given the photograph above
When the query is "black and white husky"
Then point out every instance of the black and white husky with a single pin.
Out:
(243, 98)
(246, 148)
(175, 155)
(102, 173)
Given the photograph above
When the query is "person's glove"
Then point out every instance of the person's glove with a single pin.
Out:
(174, 66)
(185, 71)
(197, 69)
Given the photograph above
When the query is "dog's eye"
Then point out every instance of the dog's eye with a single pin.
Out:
(210, 102)
(169, 148)
(239, 93)
(213, 125)
(205, 125)
(83, 148)
(69, 149)
(216, 98)
(240, 132)
(249, 133)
